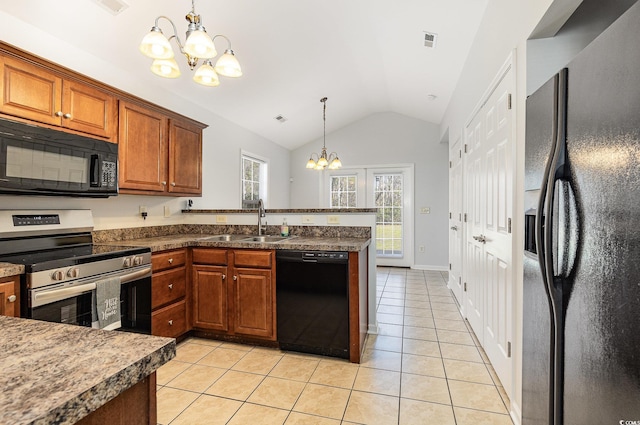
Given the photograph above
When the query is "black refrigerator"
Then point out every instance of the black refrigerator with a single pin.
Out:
(581, 313)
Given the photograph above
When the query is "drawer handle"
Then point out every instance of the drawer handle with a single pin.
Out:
(235, 277)
(11, 298)
(170, 260)
(170, 322)
(171, 286)
(224, 276)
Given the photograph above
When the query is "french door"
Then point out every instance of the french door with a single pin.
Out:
(389, 189)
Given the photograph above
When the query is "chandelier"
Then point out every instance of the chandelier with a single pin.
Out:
(323, 160)
(198, 45)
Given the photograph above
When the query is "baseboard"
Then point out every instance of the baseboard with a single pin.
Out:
(515, 414)
(427, 267)
(373, 329)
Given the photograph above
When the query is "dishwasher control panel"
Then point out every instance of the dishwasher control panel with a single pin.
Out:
(329, 255)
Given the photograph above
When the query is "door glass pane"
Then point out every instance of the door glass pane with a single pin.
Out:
(343, 192)
(389, 218)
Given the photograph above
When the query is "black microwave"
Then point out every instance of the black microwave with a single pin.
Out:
(42, 161)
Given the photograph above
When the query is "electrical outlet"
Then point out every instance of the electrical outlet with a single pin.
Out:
(421, 248)
(307, 219)
(333, 219)
(221, 218)
(167, 211)
(142, 209)
(425, 210)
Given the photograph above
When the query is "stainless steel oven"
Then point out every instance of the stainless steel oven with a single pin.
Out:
(41, 161)
(63, 268)
(73, 301)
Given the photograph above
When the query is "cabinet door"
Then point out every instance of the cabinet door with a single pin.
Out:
(210, 298)
(89, 110)
(9, 297)
(254, 303)
(170, 321)
(29, 91)
(143, 148)
(185, 158)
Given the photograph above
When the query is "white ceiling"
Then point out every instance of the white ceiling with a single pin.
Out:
(366, 56)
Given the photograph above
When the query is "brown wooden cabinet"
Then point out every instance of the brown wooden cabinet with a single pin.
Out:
(169, 293)
(158, 155)
(36, 93)
(234, 292)
(10, 296)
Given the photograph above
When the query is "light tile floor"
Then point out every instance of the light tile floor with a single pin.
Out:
(424, 367)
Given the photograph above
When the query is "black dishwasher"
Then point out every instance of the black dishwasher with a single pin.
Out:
(312, 298)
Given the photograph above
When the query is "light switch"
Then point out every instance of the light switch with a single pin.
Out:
(221, 218)
(333, 219)
(425, 210)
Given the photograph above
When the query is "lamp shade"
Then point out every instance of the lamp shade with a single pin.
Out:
(206, 75)
(228, 65)
(200, 45)
(155, 45)
(311, 163)
(335, 164)
(167, 68)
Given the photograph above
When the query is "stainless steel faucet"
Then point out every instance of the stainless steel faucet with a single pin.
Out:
(261, 213)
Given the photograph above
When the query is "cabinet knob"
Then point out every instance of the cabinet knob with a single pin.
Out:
(58, 114)
(164, 183)
(171, 286)
(170, 260)
(11, 298)
(235, 277)
(170, 322)
(67, 115)
(173, 183)
(224, 276)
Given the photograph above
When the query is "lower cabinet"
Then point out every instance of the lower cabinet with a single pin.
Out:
(234, 292)
(10, 296)
(169, 293)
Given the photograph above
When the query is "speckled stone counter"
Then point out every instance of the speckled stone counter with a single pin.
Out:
(163, 243)
(7, 269)
(55, 373)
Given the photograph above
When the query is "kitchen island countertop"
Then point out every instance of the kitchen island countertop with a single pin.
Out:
(59, 373)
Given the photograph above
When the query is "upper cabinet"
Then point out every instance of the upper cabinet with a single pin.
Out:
(158, 155)
(36, 93)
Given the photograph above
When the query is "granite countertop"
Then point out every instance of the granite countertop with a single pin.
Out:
(8, 269)
(163, 243)
(59, 373)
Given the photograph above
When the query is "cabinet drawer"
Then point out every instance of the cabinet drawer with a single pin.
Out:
(169, 259)
(170, 321)
(249, 258)
(209, 256)
(168, 286)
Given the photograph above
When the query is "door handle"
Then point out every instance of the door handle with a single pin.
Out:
(481, 238)
(224, 276)
(454, 228)
(235, 277)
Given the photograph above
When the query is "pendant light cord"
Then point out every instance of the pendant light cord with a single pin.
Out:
(324, 120)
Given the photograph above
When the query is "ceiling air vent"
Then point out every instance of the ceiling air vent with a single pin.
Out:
(430, 39)
(113, 6)
(280, 119)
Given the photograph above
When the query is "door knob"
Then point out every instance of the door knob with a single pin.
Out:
(67, 115)
(170, 322)
(170, 260)
(11, 298)
(235, 277)
(171, 286)
(224, 276)
(173, 184)
(454, 228)
(481, 238)
(59, 114)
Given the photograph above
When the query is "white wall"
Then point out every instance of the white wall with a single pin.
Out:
(222, 141)
(506, 26)
(389, 138)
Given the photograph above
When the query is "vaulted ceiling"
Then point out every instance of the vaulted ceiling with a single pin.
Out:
(366, 56)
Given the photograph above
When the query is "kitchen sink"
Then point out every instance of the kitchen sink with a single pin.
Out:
(224, 238)
(244, 238)
(264, 238)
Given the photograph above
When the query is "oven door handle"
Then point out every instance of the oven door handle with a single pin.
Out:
(135, 275)
(41, 298)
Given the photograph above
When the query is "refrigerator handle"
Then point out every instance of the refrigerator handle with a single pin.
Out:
(554, 284)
